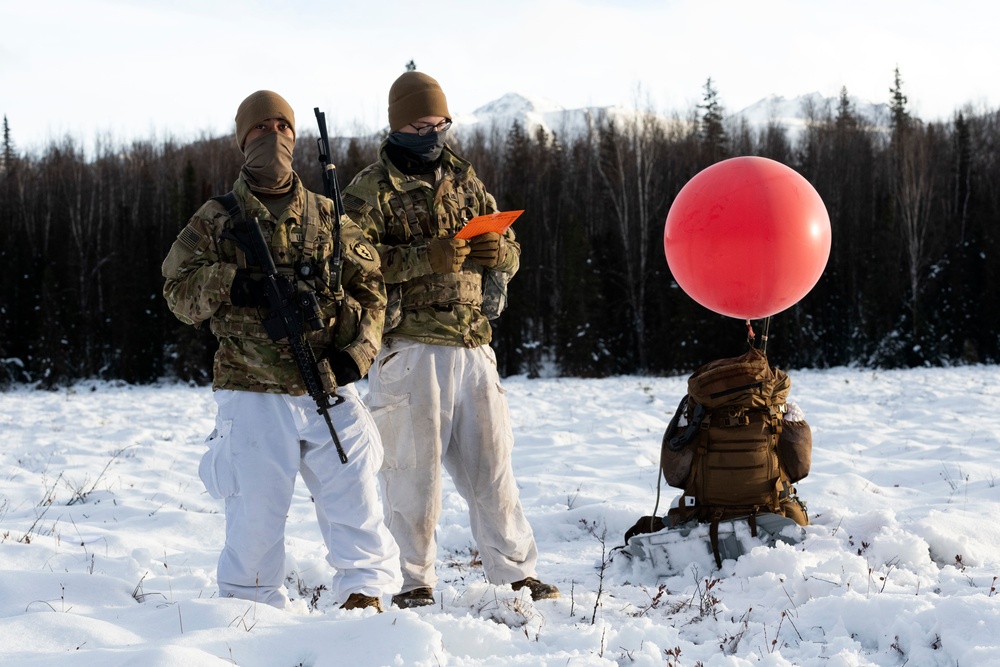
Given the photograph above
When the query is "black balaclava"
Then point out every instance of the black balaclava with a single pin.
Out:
(415, 154)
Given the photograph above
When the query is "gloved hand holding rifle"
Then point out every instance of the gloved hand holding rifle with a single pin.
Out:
(287, 308)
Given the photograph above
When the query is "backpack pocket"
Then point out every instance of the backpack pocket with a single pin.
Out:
(795, 449)
(677, 448)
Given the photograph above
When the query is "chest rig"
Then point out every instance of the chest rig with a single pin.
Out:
(412, 217)
(300, 253)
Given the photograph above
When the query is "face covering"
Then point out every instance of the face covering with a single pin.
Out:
(426, 149)
(268, 163)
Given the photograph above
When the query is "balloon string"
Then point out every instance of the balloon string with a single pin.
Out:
(763, 337)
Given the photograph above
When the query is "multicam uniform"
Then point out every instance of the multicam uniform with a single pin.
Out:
(434, 389)
(268, 428)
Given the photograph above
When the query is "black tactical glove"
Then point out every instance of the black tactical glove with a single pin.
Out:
(343, 367)
(447, 255)
(247, 292)
(488, 249)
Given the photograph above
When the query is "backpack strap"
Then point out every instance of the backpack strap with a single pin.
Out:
(234, 231)
(713, 530)
(646, 524)
(713, 535)
(232, 205)
(677, 442)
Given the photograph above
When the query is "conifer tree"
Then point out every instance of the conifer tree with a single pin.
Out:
(712, 133)
(8, 154)
(897, 103)
(912, 178)
(846, 118)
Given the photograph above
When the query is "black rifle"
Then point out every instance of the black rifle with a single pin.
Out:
(331, 188)
(287, 307)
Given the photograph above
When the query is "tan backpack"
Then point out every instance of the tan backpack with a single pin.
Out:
(737, 457)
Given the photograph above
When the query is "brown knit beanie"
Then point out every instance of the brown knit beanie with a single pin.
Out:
(258, 107)
(415, 95)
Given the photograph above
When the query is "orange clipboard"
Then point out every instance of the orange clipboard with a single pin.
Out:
(494, 222)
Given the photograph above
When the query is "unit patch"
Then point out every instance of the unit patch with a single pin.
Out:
(363, 252)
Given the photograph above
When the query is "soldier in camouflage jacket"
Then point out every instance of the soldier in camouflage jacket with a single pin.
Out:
(434, 389)
(268, 428)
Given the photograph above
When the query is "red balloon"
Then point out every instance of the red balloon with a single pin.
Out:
(747, 237)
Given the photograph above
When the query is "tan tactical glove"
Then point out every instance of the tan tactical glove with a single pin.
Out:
(488, 249)
(447, 255)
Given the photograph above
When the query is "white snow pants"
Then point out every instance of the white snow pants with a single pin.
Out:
(260, 443)
(437, 404)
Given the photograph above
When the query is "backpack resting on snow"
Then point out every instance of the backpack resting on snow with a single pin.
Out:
(736, 456)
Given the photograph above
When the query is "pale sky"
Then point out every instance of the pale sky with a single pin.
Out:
(148, 69)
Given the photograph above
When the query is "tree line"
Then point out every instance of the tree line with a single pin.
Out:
(911, 279)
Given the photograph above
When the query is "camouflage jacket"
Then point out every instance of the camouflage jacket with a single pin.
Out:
(400, 213)
(201, 265)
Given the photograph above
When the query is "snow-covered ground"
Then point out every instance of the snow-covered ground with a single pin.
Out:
(108, 540)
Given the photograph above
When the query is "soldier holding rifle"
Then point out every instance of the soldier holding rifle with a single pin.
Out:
(295, 296)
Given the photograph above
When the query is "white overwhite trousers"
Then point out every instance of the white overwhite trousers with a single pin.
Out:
(260, 443)
(437, 405)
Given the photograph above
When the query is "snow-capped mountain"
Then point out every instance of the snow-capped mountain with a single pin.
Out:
(793, 114)
(533, 112)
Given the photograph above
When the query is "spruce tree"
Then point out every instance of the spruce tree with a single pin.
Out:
(8, 155)
(897, 104)
(712, 133)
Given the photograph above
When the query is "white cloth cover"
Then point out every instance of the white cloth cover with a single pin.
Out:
(260, 443)
(437, 405)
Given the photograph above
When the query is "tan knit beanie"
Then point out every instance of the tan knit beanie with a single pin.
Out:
(258, 107)
(415, 95)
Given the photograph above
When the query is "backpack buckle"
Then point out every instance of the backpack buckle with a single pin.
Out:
(736, 417)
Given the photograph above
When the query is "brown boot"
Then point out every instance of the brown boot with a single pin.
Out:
(418, 597)
(361, 601)
(539, 590)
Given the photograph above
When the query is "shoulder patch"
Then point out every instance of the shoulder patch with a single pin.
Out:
(362, 250)
(190, 238)
(357, 248)
(197, 234)
(354, 203)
